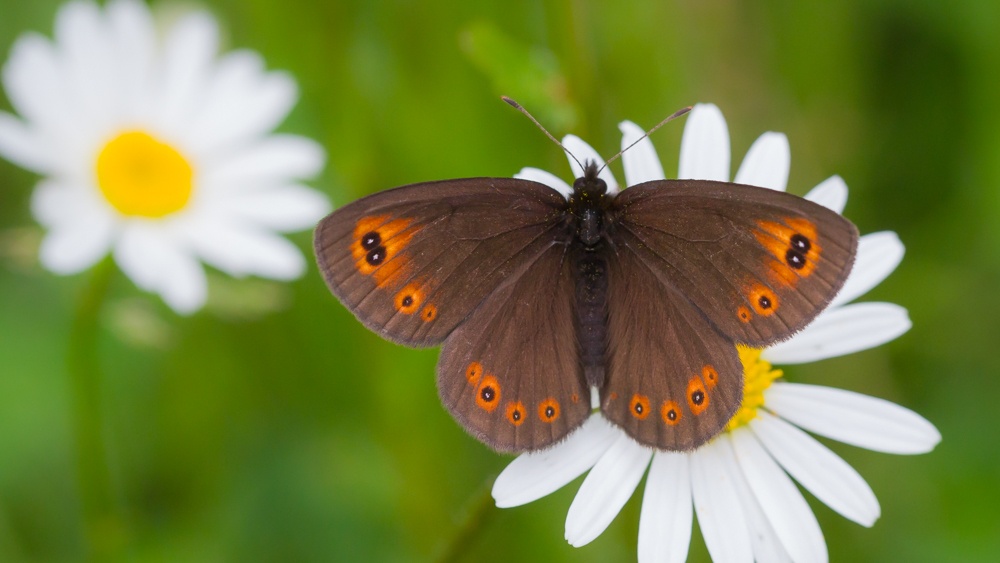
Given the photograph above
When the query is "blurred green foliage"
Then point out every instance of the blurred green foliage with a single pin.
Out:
(272, 426)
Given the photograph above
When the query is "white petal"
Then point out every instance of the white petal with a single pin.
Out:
(584, 153)
(830, 193)
(766, 544)
(640, 162)
(822, 472)
(547, 178)
(720, 515)
(24, 146)
(83, 40)
(705, 145)
(35, 83)
(157, 264)
(665, 521)
(606, 489)
(275, 159)
(537, 474)
(189, 49)
(779, 498)
(286, 209)
(840, 331)
(242, 101)
(134, 43)
(74, 247)
(852, 418)
(766, 163)
(240, 251)
(877, 256)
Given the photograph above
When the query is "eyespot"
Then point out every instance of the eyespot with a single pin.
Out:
(548, 410)
(800, 243)
(744, 314)
(473, 372)
(377, 241)
(575, 398)
(429, 313)
(488, 394)
(409, 299)
(697, 396)
(376, 256)
(370, 240)
(671, 412)
(710, 376)
(639, 406)
(515, 413)
(763, 300)
(794, 259)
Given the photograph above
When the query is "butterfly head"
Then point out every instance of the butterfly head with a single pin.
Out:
(590, 186)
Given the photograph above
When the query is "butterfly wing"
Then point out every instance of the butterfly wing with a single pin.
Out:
(672, 380)
(759, 263)
(511, 374)
(413, 262)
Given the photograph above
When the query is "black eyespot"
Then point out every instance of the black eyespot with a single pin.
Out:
(697, 397)
(801, 243)
(371, 240)
(795, 259)
(516, 415)
(672, 414)
(376, 256)
(638, 408)
(408, 301)
(487, 394)
(765, 303)
(549, 412)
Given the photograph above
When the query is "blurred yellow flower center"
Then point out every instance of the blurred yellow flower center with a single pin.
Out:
(757, 376)
(142, 176)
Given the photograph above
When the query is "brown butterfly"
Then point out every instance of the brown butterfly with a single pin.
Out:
(641, 295)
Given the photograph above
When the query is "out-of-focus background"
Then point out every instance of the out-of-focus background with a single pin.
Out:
(272, 426)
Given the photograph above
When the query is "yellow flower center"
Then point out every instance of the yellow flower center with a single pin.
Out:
(142, 176)
(757, 376)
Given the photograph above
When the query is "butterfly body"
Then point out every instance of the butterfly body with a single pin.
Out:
(537, 299)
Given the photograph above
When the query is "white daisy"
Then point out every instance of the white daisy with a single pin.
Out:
(158, 150)
(740, 484)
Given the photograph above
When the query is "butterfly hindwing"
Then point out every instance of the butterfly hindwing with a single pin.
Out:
(759, 263)
(511, 374)
(672, 380)
(413, 262)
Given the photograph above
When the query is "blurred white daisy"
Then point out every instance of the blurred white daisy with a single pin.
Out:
(158, 150)
(740, 484)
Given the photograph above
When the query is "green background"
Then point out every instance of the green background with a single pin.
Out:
(271, 426)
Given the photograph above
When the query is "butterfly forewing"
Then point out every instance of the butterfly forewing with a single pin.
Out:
(411, 263)
(672, 380)
(759, 263)
(511, 373)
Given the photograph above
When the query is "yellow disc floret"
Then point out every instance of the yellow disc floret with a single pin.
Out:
(142, 176)
(757, 376)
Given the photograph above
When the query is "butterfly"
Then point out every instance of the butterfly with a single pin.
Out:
(536, 300)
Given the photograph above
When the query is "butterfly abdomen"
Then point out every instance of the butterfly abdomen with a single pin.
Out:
(592, 313)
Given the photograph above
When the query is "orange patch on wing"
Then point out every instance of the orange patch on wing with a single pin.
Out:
(804, 227)
(639, 406)
(777, 239)
(710, 376)
(429, 313)
(763, 300)
(387, 238)
(671, 412)
(474, 372)
(697, 395)
(488, 394)
(515, 413)
(548, 410)
(409, 299)
(744, 314)
(613, 395)
(575, 398)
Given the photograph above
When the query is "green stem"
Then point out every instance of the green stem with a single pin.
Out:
(480, 511)
(104, 524)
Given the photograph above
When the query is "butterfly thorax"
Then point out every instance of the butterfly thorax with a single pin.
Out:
(588, 204)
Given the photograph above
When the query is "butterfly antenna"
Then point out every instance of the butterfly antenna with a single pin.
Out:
(674, 116)
(518, 107)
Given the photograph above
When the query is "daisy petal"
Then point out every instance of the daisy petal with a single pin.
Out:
(240, 251)
(547, 178)
(35, 85)
(286, 209)
(665, 521)
(537, 474)
(779, 498)
(840, 331)
(73, 247)
(606, 489)
(767, 546)
(188, 53)
(878, 255)
(823, 473)
(156, 264)
(640, 162)
(720, 516)
(276, 159)
(852, 418)
(705, 145)
(24, 146)
(830, 193)
(766, 163)
(584, 153)
(83, 37)
(134, 43)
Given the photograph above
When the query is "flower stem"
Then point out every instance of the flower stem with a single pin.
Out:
(104, 524)
(479, 512)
